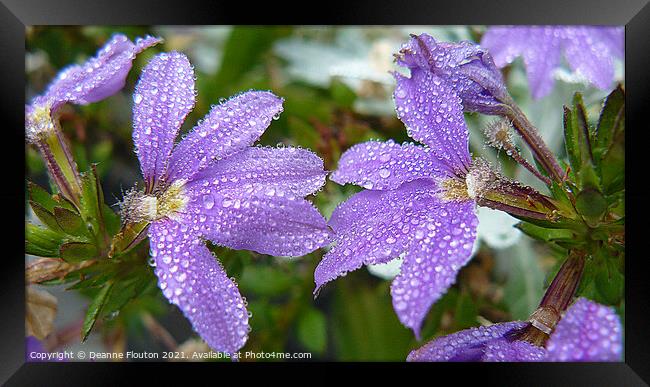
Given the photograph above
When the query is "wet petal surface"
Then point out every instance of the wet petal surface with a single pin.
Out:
(294, 171)
(190, 277)
(386, 165)
(587, 332)
(443, 244)
(227, 129)
(163, 97)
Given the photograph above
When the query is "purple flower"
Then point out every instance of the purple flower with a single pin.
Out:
(452, 70)
(590, 52)
(98, 78)
(214, 186)
(419, 201)
(587, 332)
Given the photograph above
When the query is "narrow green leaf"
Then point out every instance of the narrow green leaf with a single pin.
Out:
(93, 310)
(610, 122)
(41, 241)
(77, 251)
(312, 330)
(545, 234)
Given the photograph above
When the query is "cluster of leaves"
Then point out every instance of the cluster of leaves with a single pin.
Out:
(76, 242)
(593, 196)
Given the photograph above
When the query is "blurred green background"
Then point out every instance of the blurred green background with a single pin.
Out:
(337, 90)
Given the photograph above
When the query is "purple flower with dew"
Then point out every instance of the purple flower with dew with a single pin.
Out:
(213, 185)
(589, 51)
(587, 332)
(96, 79)
(419, 203)
(451, 70)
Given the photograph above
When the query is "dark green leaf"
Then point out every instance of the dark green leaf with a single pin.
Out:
(312, 330)
(591, 204)
(69, 222)
(466, 311)
(41, 196)
(265, 280)
(45, 216)
(77, 251)
(93, 310)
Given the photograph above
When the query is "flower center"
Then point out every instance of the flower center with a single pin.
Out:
(138, 206)
(39, 123)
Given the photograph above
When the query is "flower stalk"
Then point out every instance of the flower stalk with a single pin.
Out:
(556, 300)
(60, 164)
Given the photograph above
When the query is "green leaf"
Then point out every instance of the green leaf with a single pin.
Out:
(41, 241)
(45, 216)
(41, 196)
(265, 280)
(69, 221)
(342, 94)
(312, 330)
(93, 310)
(545, 234)
(611, 121)
(466, 311)
(364, 324)
(578, 145)
(77, 251)
(129, 236)
(591, 204)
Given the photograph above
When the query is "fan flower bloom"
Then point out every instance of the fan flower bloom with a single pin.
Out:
(96, 79)
(419, 200)
(587, 332)
(452, 70)
(213, 185)
(589, 50)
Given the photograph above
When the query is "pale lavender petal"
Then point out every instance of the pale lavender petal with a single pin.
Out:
(501, 350)
(542, 57)
(227, 129)
(443, 244)
(588, 56)
(163, 97)
(505, 43)
(386, 165)
(294, 171)
(587, 332)
(433, 115)
(466, 345)
(613, 38)
(190, 277)
(375, 227)
(98, 78)
(266, 221)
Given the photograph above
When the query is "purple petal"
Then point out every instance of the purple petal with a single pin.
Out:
(466, 345)
(294, 171)
(613, 38)
(541, 57)
(98, 78)
(162, 98)
(192, 278)
(227, 129)
(443, 245)
(501, 350)
(375, 227)
(505, 43)
(268, 222)
(386, 165)
(587, 332)
(433, 115)
(588, 56)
